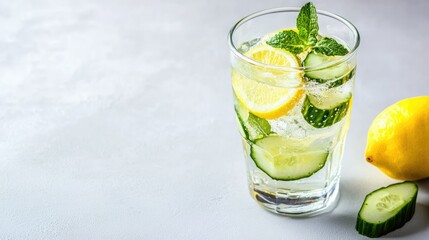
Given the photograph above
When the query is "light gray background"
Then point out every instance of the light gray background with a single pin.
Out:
(116, 119)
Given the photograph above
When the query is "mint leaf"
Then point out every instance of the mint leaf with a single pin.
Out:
(288, 40)
(307, 36)
(258, 127)
(329, 47)
(307, 25)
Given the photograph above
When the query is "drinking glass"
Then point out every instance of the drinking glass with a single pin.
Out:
(294, 160)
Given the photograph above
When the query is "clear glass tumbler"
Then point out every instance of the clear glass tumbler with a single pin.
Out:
(294, 145)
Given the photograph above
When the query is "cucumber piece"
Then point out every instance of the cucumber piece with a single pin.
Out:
(250, 126)
(342, 80)
(240, 125)
(241, 115)
(341, 72)
(284, 159)
(327, 111)
(387, 209)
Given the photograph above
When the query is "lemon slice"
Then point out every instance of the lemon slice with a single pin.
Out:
(259, 97)
(273, 56)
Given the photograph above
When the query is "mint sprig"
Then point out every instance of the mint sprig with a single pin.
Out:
(330, 47)
(307, 25)
(288, 40)
(307, 36)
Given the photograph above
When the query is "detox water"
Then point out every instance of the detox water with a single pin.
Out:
(293, 92)
(296, 196)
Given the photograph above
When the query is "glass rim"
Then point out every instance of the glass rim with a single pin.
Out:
(294, 9)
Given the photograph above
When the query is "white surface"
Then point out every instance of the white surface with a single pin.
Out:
(116, 120)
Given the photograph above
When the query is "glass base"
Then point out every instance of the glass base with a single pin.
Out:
(298, 203)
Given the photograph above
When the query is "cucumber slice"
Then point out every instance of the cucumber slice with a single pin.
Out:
(240, 125)
(343, 80)
(326, 107)
(342, 72)
(251, 127)
(241, 116)
(321, 112)
(284, 159)
(387, 209)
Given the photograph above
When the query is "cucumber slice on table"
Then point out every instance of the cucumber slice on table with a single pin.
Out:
(342, 72)
(325, 110)
(283, 159)
(387, 209)
(250, 126)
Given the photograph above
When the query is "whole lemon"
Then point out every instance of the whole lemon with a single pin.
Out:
(398, 139)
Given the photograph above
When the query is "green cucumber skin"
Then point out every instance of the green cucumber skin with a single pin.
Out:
(319, 120)
(397, 221)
